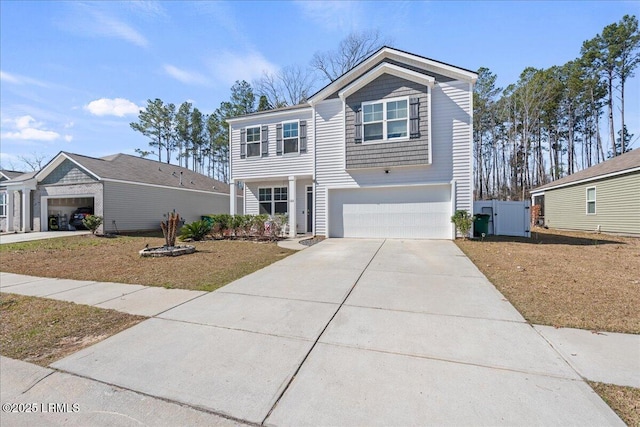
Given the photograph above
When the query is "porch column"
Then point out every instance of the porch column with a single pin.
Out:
(232, 197)
(292, 206)
(10, 196)
(26, 210)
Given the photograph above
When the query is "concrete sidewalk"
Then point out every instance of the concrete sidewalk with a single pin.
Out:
(6, 238)
(350, 332)
(132, 299)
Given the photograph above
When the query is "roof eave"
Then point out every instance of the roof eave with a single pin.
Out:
(583, 181)
(391, 53)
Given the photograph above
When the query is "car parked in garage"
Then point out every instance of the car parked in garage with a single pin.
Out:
(78, 215)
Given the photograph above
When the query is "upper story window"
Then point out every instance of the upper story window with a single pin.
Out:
(253, 141)
(385, 120)
(591, 201)
(290, 136)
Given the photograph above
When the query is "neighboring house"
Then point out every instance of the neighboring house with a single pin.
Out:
(5, 175)
(130, 193)
(383, 151)
(604, 197)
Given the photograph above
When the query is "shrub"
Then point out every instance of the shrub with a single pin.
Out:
(278, 225)
(463, 222)
(92, 222)
(195, 230)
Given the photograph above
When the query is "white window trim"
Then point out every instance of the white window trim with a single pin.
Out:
(273, 199)
(4, 203)
(594, 201)
(259, 142)
(384, 103)
(293, 153)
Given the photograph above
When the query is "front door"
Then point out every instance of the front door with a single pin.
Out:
(309, 210)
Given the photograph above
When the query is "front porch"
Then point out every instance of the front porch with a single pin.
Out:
(20, 205)
(293, 196)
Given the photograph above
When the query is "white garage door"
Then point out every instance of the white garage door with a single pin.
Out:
(422, 212)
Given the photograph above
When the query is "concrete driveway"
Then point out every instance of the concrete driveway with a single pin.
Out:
(351, 332)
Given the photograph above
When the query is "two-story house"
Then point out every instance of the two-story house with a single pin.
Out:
(383, 151)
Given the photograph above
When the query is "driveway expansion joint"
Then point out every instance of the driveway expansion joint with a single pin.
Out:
(141, 393)
(458, 362)
(286, 387)
(291, 337)
(275, 297)
(428, 313)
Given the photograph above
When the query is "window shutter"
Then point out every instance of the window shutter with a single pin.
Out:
(265, 141)
(279, 139)
(358, 129)
(303, 136)
(243, 143)
(414, 118)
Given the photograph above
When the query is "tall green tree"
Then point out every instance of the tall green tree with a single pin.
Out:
(197, 138)
(151, 124)
(183, 133)
(484, 94)
(627, 37)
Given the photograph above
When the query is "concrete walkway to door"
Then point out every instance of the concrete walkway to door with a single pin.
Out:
(349, 332)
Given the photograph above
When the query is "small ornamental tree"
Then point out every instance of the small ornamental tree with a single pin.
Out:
(170, 228)
(92, 222)
(463, 222)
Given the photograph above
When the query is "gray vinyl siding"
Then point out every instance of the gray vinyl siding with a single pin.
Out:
(141, 207)
(617, 205)
(392, 153)
(68, 173)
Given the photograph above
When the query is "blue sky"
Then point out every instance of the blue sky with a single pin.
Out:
(74, 74)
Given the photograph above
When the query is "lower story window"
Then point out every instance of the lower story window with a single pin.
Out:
(273, 200)
(3, 204)
(591, 201)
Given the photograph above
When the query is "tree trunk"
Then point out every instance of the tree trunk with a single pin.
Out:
(612, 133)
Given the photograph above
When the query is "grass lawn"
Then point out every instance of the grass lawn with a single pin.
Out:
(41, 331)
(624, 400)
(87, 257)
(565, 279)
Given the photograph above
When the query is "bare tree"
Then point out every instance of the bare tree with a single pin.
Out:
(353, 49)
(290, 86)
(34, 161)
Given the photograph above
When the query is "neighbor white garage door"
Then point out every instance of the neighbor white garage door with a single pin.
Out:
(422, 212)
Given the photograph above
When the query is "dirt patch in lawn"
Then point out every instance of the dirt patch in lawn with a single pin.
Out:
(87, 257)
(41, 331)
(625, 401)
(565, 279)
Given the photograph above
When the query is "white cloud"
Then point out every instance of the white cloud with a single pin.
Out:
(26, 128)
(20, 80)
(148, 8)
(231, 66)
(119, 107)
(332, 15)
(184, 76)
(68, 138)
(95, 19)
(112, 27)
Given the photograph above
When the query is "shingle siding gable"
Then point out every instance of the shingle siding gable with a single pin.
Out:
(398, 153)
(68, 173)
